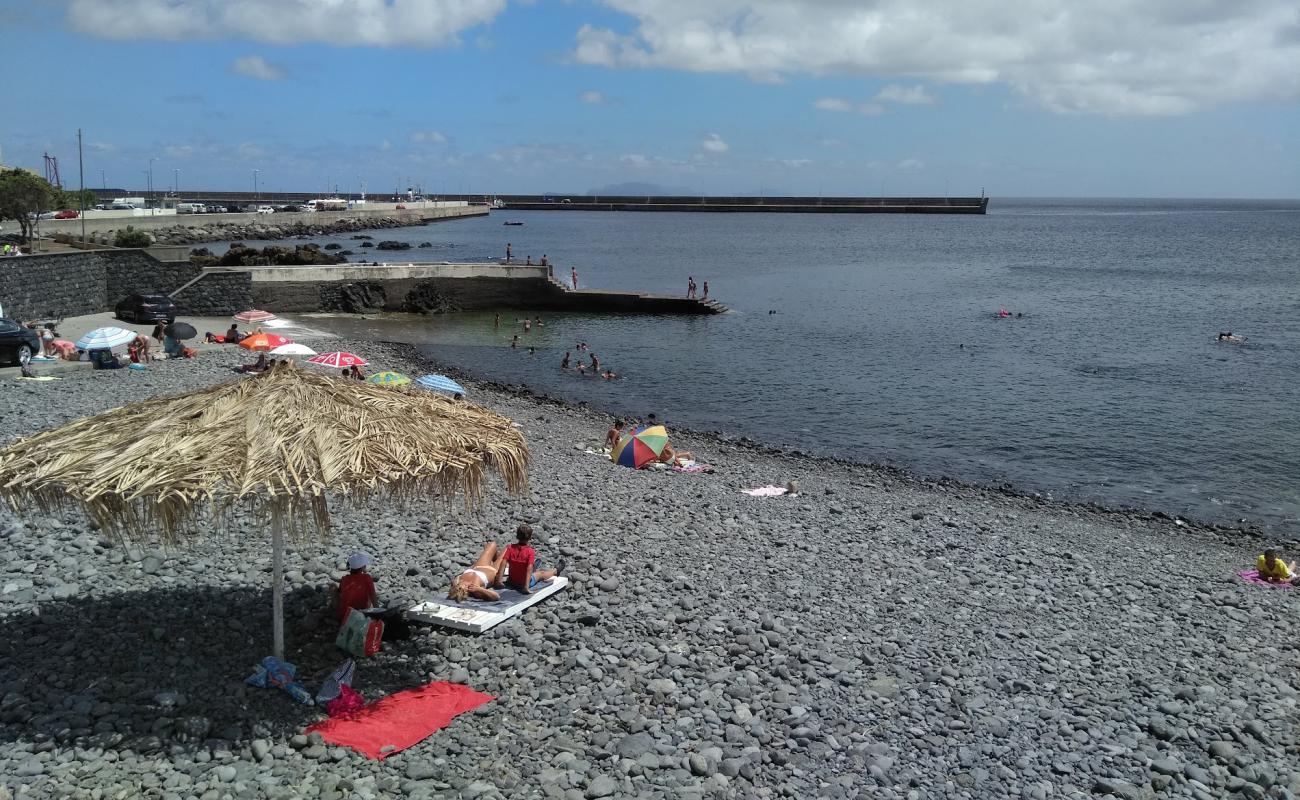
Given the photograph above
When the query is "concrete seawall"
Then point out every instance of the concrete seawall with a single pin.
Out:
(775, 205)
(93, 281)
(415, 216)
(443, 287)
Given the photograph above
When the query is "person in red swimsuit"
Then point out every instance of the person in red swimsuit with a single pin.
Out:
(521, 561)
(357, 588)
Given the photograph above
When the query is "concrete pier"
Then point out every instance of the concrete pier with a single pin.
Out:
(415, 216)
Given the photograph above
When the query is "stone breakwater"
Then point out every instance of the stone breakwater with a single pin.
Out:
(875, 636)
(254, 231)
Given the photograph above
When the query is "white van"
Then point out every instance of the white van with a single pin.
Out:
(189, 208)
(266, 209)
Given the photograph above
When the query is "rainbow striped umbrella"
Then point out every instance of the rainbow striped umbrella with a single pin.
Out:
(389, 379)
(640, 447)
(254, 315)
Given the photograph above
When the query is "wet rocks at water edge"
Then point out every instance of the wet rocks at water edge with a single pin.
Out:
(264, 230)
(927, 641)
(388, 244)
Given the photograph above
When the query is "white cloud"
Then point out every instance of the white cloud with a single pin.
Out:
(1118, 57)
(833, 104)
(714, 144)
(593, 97)
(381, 23)
(840, 105)
(256, 67)
(248, 150)
(385, 145)
(428, 137)
(796, 163)
(908, 95)
(910, 164)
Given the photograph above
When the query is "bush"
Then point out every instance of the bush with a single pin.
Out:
(132, 238)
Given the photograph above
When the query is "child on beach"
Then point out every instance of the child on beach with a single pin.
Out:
(1273, 569)
(521, 563)
(357, 588)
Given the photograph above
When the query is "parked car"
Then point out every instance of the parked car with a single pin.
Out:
(67, 213)
(147, 308)
(17, 344)
(290, 209)
(215, 209)
(265, 210)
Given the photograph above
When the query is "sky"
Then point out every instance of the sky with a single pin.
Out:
(1053, 98)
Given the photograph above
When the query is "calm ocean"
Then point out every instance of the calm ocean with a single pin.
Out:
(884, 346)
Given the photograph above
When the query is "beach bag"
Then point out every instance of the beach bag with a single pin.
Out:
(360, 635)
(396, 628)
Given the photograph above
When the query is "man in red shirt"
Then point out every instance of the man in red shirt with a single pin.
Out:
(521, 559)
(357, 588)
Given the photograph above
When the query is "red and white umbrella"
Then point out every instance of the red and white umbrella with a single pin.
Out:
(338, 360)
(254, 315)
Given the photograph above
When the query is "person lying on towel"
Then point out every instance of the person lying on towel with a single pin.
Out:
(521, 561)
(1273, 569)
(477, 581)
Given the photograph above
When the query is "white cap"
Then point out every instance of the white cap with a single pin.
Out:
(359, 560)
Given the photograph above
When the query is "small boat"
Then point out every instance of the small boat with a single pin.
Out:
(512, 223)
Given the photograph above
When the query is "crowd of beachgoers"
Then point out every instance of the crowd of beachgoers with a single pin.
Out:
(862, 633)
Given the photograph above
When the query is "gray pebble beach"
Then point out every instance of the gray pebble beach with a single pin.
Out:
(875, 636)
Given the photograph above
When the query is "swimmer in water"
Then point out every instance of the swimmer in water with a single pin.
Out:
(564, 363)
(1226, 336)
(609, 375)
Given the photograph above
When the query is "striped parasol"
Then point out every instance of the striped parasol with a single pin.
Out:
(254, 315)
(105, 339)
(338, 360)
(441, 383)
(640, 447)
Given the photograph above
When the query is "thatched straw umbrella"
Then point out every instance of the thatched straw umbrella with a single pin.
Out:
(279, 444)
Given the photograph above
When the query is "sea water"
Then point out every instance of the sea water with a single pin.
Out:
(874, 338)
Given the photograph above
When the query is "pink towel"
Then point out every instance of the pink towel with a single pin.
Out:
(1252, 576)
(393, 723)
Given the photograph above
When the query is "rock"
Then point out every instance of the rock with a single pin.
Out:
(1224, 751)
(699, 765)
(389, 244)
(1118, 788)
(260, 749)
(602, 786)
(662, 686)
(29, 768)
(226, 773)
(635, 745)
(421, 771)
(1167, 766)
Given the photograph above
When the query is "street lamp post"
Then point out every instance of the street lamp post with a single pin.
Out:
(256, 194)
(176, 183)
(150, 181)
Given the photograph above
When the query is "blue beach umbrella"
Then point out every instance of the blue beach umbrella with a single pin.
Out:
(441, 383)
(105, 339)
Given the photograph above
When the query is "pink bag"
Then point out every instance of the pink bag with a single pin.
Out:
(348, 701)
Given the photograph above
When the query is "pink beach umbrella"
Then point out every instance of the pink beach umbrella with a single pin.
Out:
(254, 315)
(338, 360)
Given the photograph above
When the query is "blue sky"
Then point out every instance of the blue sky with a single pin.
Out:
(1140, 98)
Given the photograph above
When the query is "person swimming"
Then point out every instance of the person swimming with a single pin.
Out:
(1226, 336)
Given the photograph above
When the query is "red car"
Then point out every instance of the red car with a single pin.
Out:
(67, 213)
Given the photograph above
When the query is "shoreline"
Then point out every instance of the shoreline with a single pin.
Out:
(919, 479)
(876, 635)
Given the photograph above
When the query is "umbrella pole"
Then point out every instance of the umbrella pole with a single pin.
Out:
(277, 590)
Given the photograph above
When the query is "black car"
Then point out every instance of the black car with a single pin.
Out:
(17, 344)
(147, 308)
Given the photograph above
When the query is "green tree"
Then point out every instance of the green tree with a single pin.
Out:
(132, 238)
(73, 199)
(23, 195)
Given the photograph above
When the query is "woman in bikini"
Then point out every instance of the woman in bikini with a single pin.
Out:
(478, 580)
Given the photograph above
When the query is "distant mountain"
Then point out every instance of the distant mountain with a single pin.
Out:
(642, 189)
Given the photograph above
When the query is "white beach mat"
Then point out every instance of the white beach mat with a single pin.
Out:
(477, 616)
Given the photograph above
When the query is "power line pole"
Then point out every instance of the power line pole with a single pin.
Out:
(81, 195)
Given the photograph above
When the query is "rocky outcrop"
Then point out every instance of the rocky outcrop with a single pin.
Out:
(425, 298)
(218, 232)
(389, 244)
(240, 255)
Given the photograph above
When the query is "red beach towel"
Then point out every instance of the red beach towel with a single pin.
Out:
(393, 723)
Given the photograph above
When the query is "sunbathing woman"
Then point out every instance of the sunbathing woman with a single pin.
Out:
(477, 581)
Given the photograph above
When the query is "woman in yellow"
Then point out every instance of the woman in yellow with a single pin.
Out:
(1271, 568)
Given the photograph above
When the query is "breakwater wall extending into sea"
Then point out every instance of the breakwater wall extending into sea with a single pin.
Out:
(797, 205)
(323, 219)
(438, 288)
(93, 281)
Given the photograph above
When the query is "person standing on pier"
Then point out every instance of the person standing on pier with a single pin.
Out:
(706, 290)
(690, 287)
(573, 273)
(509, 253)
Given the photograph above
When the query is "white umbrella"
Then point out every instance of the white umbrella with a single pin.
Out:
(293, 349)
(105, 339)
